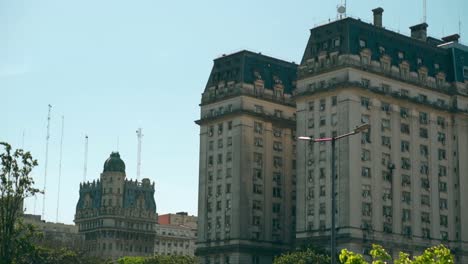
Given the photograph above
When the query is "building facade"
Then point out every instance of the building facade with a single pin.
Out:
(247, 167)
(117, 216)
(176, 234)
(401, 184)
(55, 235)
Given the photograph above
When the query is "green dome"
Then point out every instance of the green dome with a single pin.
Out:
(114, 163)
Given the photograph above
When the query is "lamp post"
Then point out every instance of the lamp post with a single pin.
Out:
(357, 130)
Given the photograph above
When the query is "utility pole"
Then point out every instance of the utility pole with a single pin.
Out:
(60, 171)
(45, 163)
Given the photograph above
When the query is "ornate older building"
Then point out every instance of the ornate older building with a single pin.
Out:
(117, 216)
(402, 184)
(246, 203)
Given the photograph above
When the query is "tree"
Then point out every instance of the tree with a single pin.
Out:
(15, 185)
(434, 255)
(306, 256)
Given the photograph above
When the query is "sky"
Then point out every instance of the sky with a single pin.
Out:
(111, 66)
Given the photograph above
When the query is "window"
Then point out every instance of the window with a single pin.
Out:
(257, 188)
(423, 132)
(323, 121)
(442, 186)
(322, 208)
(385, 124)
(256, 205)
(258, 127)
(310, 123)
(322, 105)
(385, 107)
(210, 160)
(277, 192)
(277, 178)
(365, 172)
(366, 209)
(278, 113)
(404, 112)
(322, 173)
(257, 174)
(407, 231)
(277, 162)
(387, 176)
(220, 159)
(311, 106)
(210, 145)
(387, 211)
(405, 163)
(277, 146)
(405, 146)
(406, 215)
(277, 132)
(365, 102)
(405, 180)
(322, 190)
(365, 155)
(386, 159)
(366, 191)
(230, 125)
(276, 208)
(386, 141)
(336, 43)
(256, 220)
(442, 154)
(441, 137)
(422, 98)
(423, 150)
(258, 159)
(229, 156)
(365, 137)
(404, 128)
(423, 119)
(425, 200)
(365, 82)
(426, 233)
(442, 171)
(443, 204)
(365, 119)
(229, 141)
(406, 197)
(220, 129)
(425, 184)
(258, 142)
(228, 188)
(334, 100)
(220, 143)
(218, 206)
(425, 218)
(441, 121)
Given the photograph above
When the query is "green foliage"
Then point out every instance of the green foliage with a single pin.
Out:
(15, 186)
(306, 256)
(160, 259)
(434, 255)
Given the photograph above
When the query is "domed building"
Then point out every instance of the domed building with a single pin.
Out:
(117, 216)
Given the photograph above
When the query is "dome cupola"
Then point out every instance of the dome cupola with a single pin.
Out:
(114, 163)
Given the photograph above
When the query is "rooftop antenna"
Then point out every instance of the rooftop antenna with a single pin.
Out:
(45, 163)
(60, 171)
(140, 136)
(85, 169)
(341, 9)
(424, 11)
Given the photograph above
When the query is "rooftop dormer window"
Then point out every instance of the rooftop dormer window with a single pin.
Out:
(401, 55)
(336, 42)
(381, 50)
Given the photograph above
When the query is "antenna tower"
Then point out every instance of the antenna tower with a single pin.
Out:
(424, 11)
(60, 171)
(85, 169)
(45, 163)
(140, 136)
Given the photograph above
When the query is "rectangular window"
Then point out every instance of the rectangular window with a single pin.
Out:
(441, 121)
(404, 112)
(365, 155)
(277, 146)
(406, 197)
(442, 186)
(334, 100)
(441, 137)
(443, 204)
(385, 124)
(425, 200)
(365, 82)
(229, 141)
(423, 118)
(423, 132)
(366, 191)
(334, 120)
(220, 143)
(258, 109)
(365, 172)
(365, 102)
(365, 119)
(323, 121)
(322, 105)
(277, 132)
(406, 215)
(385, 107)
(405, 180)
(311, 106)
(230, 125)
(220, 129)
(405, 146)
(442, 154)
(258, 127)
(258, 142)
(404, 129)
(423, 150)
(442, 171)
(366, 209)
(277, 162)
(310, 123)
(405, 163)
(386, 142)
(277, 192)
(257, 188)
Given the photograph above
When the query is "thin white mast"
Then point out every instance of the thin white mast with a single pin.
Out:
(45, 163)
(60, 170)
(140, 136)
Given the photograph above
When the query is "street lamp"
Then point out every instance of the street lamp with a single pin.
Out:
(357, 130)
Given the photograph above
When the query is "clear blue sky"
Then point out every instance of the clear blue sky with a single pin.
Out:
(111, 66)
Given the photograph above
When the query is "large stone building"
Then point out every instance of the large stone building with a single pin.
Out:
(54, 235)
(402, 184)
(247, 166)
(117, 216)
(176, 234)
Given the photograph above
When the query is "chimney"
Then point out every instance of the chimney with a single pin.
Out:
(451, 38)
(419, 31)
(378, 16)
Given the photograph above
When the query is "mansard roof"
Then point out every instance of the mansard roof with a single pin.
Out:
(246, 67)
